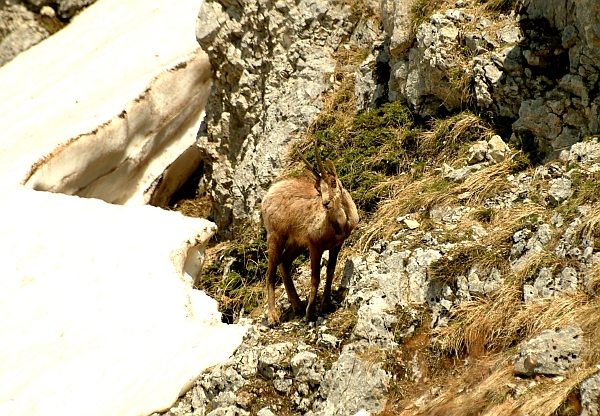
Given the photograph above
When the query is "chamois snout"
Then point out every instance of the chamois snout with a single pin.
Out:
(303, 212)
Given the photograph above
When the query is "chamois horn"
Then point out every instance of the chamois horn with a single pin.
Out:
(318, 157)
(309, 165)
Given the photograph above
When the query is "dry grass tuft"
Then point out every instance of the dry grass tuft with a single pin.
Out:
(420, 195)
(488, 182)
(593, 275)
(549, 395)
(470, 393)
(197, 208)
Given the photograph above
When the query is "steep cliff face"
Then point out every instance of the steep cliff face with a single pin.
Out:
(271, 63)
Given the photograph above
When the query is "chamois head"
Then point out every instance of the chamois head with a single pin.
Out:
(327, 182)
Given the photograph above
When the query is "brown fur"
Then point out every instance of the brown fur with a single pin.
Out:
(301, 213)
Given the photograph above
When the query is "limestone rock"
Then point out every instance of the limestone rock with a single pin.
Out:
(367, 30)
(328, 341)
(411, 224)
(306, 367)
(272, 358)
(364, 85)
(497, 150)
(374, 323)
(585, 153)
(527, 244)
(67, 8)
(265, 411)
(395, 17)
(282, 385)
(427, 82)
(18, 31)
(380, 275)
(477, 152)
(560, 191)
(510, 34)
(484, 282)
(551, 353)
(460, 175)
(229, 411)
(352, 385)
(590, 395)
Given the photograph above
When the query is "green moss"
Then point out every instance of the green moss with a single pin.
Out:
(485, 215)
(502, 6)
(421, 11)
(368, 152)
(243, 285)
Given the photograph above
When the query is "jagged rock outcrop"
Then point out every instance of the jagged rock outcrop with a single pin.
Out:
(271, 62)
(18, 31)
(537, 69)
(25, 23)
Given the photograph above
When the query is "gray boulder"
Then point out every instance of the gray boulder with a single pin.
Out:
(19, 31)
(265, 411)
(67, 8)
(306, 367)
(497, 150)
(560, 191)
(460, 175)
(228, 411)
(374, 323)
(551, 353)
(477, 152)
(364, 85)
(352, 385)
(272, 358)
(590, 395)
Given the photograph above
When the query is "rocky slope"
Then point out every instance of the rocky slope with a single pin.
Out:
(473, 290)
(472, 287)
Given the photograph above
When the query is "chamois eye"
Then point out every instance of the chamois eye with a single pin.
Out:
(333, 183)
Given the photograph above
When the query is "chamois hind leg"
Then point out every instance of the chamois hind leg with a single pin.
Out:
(274, 248)
(333, 255)
(315, 268)
(288, 257)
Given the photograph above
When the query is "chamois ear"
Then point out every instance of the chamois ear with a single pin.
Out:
(330, 167)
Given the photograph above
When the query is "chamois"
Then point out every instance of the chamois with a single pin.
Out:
(304, 212)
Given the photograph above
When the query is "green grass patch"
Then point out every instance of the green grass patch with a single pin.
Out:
(422, 10)
(485, 215)
(367, 151)
(243, 284)
(502, 6)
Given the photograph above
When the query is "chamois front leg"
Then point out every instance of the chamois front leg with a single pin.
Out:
(315, 268)
(326, 301)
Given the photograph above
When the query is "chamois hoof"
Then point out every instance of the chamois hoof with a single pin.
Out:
(327, 307)
(273, 320)
(311, 316)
